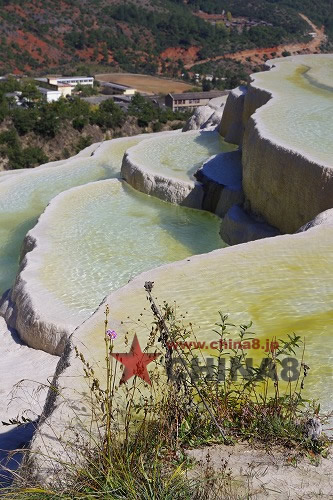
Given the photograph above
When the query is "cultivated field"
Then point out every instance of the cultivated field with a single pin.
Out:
(145, 83)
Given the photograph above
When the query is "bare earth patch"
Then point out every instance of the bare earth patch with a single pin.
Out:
(276, 474)
(257, 55)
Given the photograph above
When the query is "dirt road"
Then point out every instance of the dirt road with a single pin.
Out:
(257, 55)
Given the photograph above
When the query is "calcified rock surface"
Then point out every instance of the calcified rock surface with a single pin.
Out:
(164, 167)
(279, 283)
(207, 116)
(283, 284)
(221, 177)
(232, 125)
(184, 193)
(25, 195)
(23, 198)
(20, 393)
(199, 118)
(258, 472)
(323, 219)
(25, 378)
(287, 144)
(59, 286)
(240, 227)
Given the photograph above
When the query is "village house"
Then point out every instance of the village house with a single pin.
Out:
(191, 100)
(111, 88)
(53, 92)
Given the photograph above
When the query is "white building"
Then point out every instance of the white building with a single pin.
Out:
(71, 80)
(50, 95)
(65, 89)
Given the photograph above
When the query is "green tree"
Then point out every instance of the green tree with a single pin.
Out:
(24, 120)
(10, 138)
(80, 122)
(26, 158)
(48, 121)
(30, 92)
(108, 115)
(86, 90)
(143, 109)
(11, 84)
(4, 108)
(206, 85)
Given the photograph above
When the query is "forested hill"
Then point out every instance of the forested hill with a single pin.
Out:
(140, 35)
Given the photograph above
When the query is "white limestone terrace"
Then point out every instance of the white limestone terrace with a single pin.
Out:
(207, 117)
(232, 126)
(221, 178)
(307, 124)
(25, 195)
(164, 166)
(26, 375)
(283, 284)
(287, 145)
(93, 239)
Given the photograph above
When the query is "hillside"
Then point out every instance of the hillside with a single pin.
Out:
(145, 36)
(45, 132)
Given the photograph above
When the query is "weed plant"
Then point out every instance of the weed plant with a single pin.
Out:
(144, 430)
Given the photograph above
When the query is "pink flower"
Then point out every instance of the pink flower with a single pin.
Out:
(111, 334)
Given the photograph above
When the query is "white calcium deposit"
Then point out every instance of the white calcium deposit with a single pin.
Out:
(287, 146)
(283, 122)
(283, 284)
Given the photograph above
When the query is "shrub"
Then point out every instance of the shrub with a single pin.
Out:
(143, 432)
(47, 123)
(4, 108)
(26, 158)
(157, 127)
(24, 120)
(83, 143)
(10, 138)
(79, 123)
(108, 115)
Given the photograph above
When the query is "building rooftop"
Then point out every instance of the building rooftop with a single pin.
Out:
(74, 77)
(200, 95)
(115, 85)
(44, 90)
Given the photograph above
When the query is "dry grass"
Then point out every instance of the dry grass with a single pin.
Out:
(145, 83)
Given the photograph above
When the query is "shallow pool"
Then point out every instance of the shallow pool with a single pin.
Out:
(282, 284)
(179, 156)
(24, 196)
(301, 116)
(93, 239)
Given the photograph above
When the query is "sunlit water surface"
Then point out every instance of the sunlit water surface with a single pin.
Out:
(120, 234)
(301, 116)
(283, 284)
(24, 196)
(179, 156)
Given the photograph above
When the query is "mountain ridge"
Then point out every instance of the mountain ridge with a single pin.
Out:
(40, 36)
